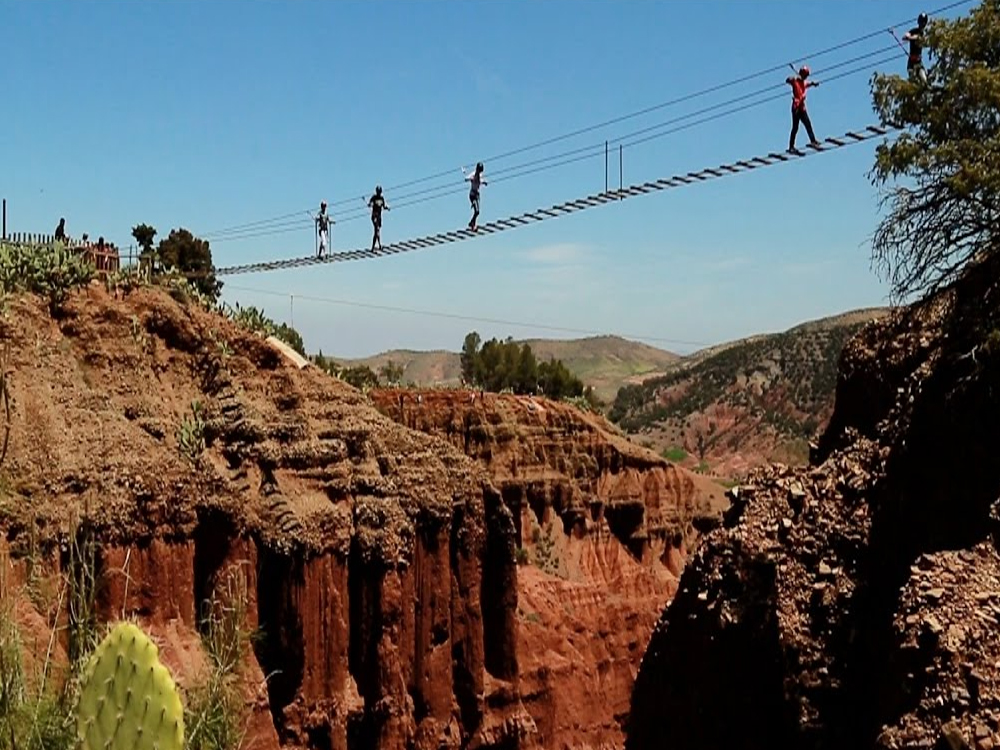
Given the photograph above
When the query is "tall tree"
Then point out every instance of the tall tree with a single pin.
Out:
(490, 364)
(190, 255)
(144, 234)
(946, 214)
(525, 376)
(470, 356)
(510, 355)
(360, 376)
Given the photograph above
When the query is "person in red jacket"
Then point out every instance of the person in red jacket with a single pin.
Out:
(799, 114)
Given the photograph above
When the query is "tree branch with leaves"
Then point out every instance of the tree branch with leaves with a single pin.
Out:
(191, 256)
(939, 181)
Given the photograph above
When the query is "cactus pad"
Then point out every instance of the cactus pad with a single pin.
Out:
(128, 700)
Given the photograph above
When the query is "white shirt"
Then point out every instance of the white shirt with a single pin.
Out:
(475, 178)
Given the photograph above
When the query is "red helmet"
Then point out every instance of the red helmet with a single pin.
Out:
(804, 71)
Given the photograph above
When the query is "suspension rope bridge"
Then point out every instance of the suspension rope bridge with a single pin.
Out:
(542, 214)
(287, 222)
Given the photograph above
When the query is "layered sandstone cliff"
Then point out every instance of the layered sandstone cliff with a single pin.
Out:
(378, 563)
(854, 603)
(604, 529)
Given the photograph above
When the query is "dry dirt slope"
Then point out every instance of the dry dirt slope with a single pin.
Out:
(379, 563)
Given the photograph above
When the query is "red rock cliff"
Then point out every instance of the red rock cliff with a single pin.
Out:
(605, 525)
(377, 563)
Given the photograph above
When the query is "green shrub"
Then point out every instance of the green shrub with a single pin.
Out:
(52, 271)
(191, 433)
(545, 553)
(675, 454)
(184, 290)
(215, 710)
(35, 712)
(501, 366)
(254, 319)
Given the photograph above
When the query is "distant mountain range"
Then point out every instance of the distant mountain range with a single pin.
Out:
(724, 408)
(744, 403)
(603, 362)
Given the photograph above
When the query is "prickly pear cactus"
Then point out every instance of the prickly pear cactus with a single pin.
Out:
(128, 700)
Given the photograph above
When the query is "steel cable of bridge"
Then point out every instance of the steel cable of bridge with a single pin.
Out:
(542, 214)
(638, 113)
(573, 156)
(598, 149)
(592, 151)
(468, 318)
(629, 139)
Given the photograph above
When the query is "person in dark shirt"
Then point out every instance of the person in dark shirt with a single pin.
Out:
(101, 255)
(376, 203)
(476, 181)
(61, 231)
(799, 114)
(915, 61)
(323, 222)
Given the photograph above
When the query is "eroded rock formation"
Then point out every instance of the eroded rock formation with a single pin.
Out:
(376, 563)
(853, 603)
(604, 529)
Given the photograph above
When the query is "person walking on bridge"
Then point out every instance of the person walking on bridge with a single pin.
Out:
(323, 222)
(376, 203)
(476, 180)
(915, 61)
(799, 114)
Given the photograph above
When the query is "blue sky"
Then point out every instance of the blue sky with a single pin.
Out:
(209, 115)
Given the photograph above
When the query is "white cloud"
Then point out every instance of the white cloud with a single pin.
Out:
(727, 264)
(808, 266)
(564, 253)
(486, 80)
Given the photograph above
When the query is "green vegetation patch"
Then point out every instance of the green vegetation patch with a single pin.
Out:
(786, 379)
(675, 454)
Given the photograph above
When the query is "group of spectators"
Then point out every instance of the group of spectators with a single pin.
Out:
(104, 255)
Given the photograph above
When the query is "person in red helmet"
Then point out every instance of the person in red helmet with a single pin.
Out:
(799, 114)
